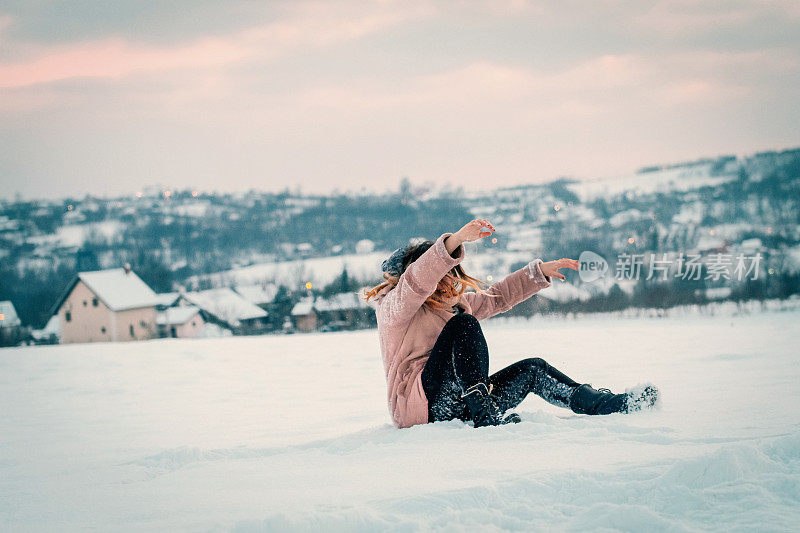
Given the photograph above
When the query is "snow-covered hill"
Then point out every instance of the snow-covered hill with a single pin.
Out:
(292, 433)
(684, 177)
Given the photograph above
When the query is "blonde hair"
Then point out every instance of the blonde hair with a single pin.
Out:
(455, 281)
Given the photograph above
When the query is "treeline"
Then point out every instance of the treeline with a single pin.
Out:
(661, 295)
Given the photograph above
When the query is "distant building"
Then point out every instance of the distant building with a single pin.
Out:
(50, 334)
(304, 315)
(181, 322)
(345, 310)
(167, 299)
(107, 305)
(227, 309)
(11, 331)
(260, 294)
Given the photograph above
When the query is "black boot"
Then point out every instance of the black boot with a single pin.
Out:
(588, 401)
(483, 407)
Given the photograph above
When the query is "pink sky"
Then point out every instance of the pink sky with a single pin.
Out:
(349, 95)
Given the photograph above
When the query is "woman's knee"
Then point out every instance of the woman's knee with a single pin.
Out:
(535, 362)
(463, 320)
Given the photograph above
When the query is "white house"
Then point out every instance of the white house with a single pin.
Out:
(304, 315)
(107, 305)
(184, 321)
(50, 334)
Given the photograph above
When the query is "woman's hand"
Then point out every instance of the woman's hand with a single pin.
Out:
(470, 232)
(550, 268)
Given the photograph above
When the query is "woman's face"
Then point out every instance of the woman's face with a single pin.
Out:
(446, 284)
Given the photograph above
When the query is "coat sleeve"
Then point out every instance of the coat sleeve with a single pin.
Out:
(515, 288)
(418, 282)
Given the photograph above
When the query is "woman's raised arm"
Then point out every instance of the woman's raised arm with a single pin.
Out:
(421, 277)
(419, 281)
(517, 287)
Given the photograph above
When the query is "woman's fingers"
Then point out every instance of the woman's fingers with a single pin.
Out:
(486, 224)
(475, 227)
(472, 230)
(569, 263)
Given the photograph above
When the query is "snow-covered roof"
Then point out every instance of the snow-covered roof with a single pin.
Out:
(175, 316)
(344, 300)
(53, 325)
(304, 306)
(224, 304)
(365, 246)
(258, 293)
(10, 318)
(166, 299)
(714, 293)
(336, 302)
(119, 289)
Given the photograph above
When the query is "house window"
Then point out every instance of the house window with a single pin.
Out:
(192, 323)
(84, 303)
(143, 323)
(68, 316)
(103, 329)
(94, 302)
(130, 328)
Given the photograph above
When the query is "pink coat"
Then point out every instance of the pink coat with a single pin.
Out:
(407, 329)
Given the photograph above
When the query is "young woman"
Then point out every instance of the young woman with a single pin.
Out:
(434, 352)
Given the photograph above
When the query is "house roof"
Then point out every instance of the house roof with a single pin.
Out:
(335, 302)
(258, 293)
(167, 299)
(10, 318)
(175, 316)
(117, 288)
(304, 306)
(224, 304)
(53, 325)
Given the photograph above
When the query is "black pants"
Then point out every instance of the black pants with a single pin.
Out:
(460, 359)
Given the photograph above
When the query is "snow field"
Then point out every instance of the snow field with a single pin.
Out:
(293, 433)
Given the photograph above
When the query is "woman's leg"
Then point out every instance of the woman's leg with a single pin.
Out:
(458, 360)
(513, 383)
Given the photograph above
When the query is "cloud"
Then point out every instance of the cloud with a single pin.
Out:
(5, 22)
(605, 84)
(308, 26)
(682, 17)
(353, 93)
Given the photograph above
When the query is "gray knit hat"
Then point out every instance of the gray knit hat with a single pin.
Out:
(394, 264)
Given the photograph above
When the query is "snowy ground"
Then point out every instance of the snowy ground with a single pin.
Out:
(292, 433)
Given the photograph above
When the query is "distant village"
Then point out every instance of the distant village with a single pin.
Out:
(116, 305)
(169, 263)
